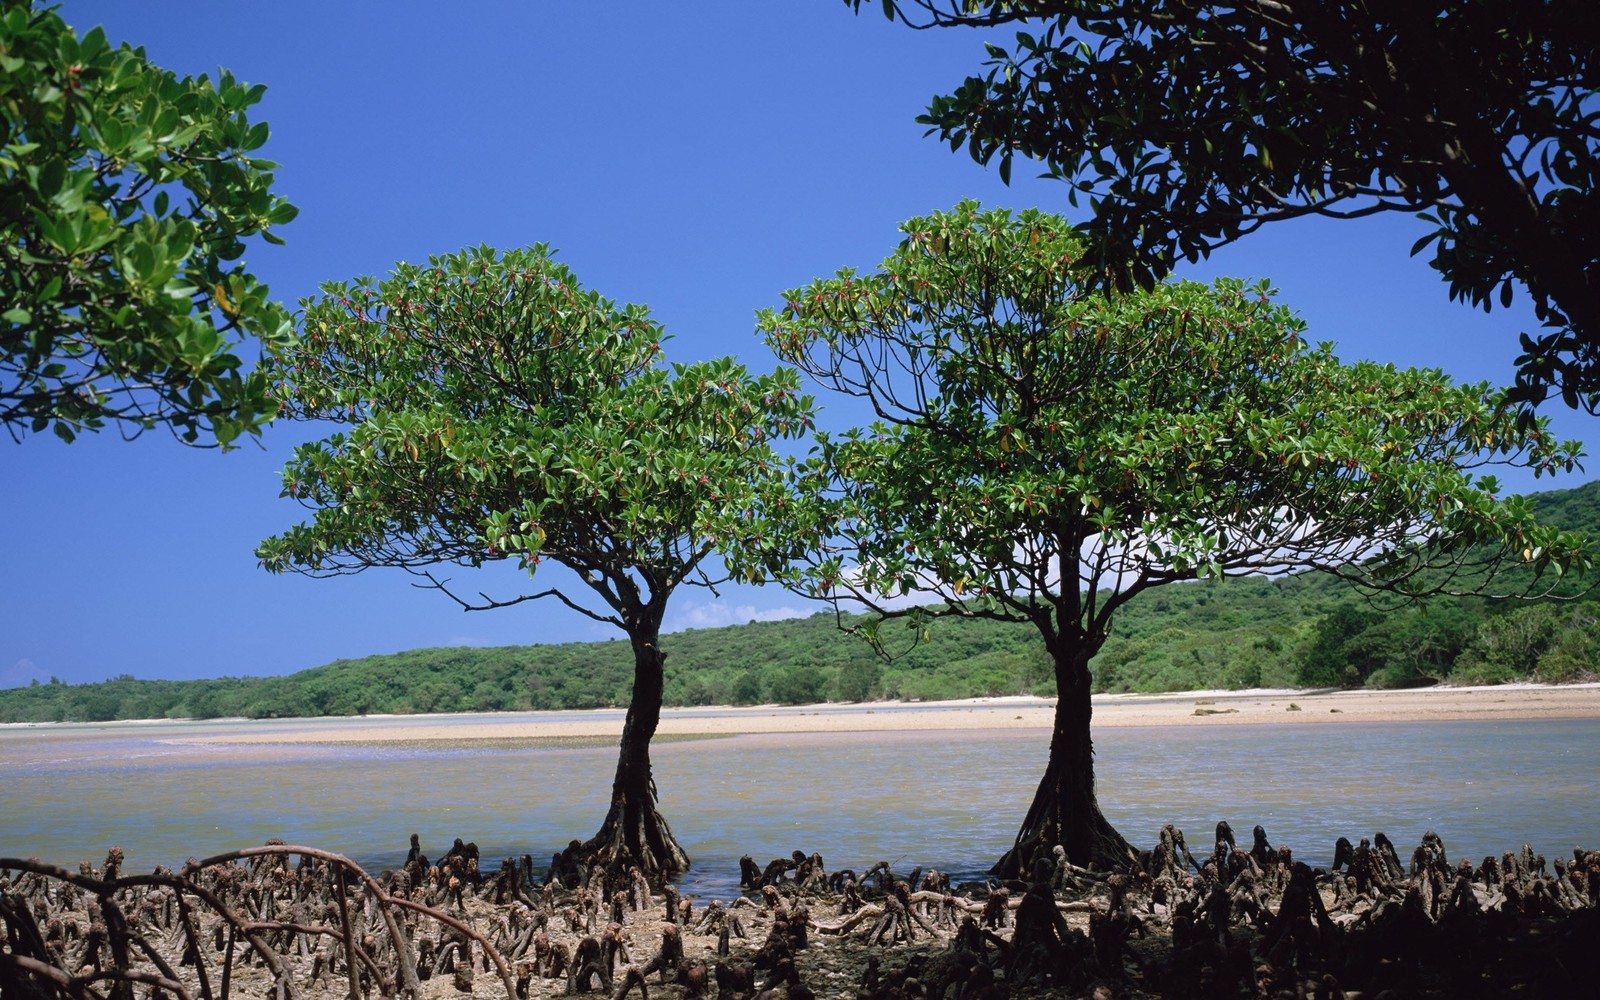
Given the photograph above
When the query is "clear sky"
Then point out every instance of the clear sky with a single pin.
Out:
(699, 159)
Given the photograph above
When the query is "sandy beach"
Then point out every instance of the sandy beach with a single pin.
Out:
(1220, 708)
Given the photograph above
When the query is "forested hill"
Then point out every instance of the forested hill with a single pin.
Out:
(1310, 630)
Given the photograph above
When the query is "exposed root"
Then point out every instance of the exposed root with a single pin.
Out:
(295, 923)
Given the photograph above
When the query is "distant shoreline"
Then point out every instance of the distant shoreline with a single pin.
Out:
(1194, 708)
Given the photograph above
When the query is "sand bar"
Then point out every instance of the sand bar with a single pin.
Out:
(1222, 708)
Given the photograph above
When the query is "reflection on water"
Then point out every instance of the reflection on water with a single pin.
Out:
(947, 799)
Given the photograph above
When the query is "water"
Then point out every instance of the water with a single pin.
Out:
(950, 800)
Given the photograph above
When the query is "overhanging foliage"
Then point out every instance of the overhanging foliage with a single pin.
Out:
(1187, 125)
(126, 197)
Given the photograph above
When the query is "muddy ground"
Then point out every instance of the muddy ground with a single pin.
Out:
(1235, 921)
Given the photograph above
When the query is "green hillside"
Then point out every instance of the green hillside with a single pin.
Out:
(1309, 630)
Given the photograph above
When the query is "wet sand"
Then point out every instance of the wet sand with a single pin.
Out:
(1186, 709)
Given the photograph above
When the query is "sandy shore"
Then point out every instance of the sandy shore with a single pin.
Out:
(1189, 709)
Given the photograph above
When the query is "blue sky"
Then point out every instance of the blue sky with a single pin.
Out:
(697, 159)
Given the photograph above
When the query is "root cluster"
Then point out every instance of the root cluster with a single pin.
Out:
(291, 922)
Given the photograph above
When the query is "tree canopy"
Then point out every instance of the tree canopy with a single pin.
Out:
(497, 410)
(126, 197)
(1044, 454)
(1188, 125)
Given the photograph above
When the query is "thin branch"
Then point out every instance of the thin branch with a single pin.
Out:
(489, 603)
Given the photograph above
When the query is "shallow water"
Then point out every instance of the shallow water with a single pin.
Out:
(950, 800)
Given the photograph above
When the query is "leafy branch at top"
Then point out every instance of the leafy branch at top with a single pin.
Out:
(126, 198)
(1185, 126)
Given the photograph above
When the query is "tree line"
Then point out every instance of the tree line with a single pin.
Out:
(1302, 631)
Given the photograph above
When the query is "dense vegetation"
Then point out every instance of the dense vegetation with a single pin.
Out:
(1308, 630)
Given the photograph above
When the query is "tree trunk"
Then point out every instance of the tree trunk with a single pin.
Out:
(634, 832)
(1064, 809)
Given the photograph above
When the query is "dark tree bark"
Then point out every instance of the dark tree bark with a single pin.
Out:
(1065, 810)
(634, 831)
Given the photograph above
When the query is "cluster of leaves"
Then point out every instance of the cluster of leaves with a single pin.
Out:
(1189, 125)
(1044, 454)
(126, 198)
(499, 410)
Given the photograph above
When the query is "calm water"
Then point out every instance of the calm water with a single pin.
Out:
(951, 800)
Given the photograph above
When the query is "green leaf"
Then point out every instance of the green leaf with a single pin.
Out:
(52, 177)
(256, 137)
